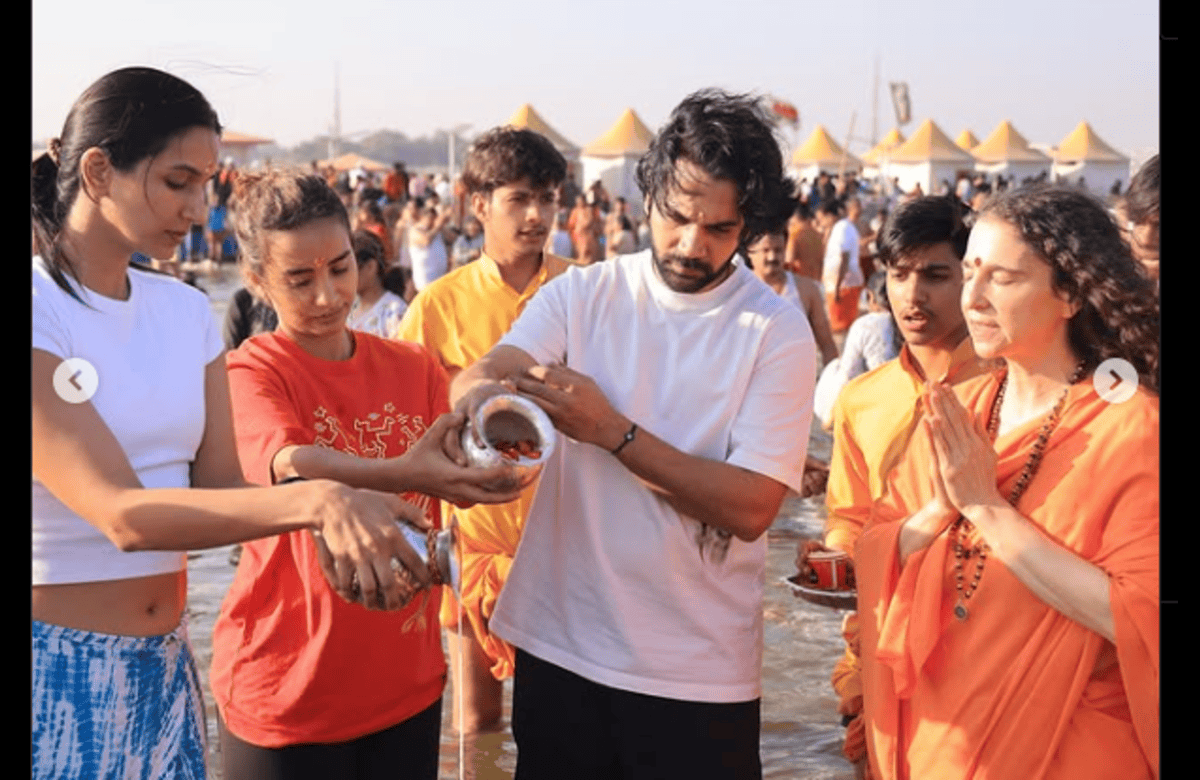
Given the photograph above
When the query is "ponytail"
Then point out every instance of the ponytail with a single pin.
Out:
(46, 215)
(43, 209)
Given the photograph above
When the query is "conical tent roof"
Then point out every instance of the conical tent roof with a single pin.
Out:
(628, 136)
(1005, 144)
(930, 144)
(1083, 144)
(966, 140)
(889, 142)
(821, 149)
(234, 138)
(526, 117)
(355, 160)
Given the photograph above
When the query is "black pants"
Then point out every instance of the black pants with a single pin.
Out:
(568, 727)
(406, 750)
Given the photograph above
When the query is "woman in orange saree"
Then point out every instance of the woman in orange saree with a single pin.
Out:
(1008, 580)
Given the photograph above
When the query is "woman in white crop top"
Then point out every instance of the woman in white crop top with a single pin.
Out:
(132, 442)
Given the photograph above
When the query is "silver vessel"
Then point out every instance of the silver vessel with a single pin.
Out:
(512, 418)
(444, 566)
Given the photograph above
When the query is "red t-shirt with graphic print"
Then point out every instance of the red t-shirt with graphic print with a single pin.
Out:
(292, 661)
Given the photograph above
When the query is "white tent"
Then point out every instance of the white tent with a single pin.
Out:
(876, 161)
(241, 146)
(527, 118)
(927, 159)
(966, 140)
(821, 153)
(351, 160)
(1006, 153)
(1084, 156)
(612, 158)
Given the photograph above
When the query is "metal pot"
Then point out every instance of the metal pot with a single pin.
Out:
(445, 559)
(509, 417)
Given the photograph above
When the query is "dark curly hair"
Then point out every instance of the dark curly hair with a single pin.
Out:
(504, 155)
(1142, 197)
(1118, 313)
(730, 137)
(278, 199)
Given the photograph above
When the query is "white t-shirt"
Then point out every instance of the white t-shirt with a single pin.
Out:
(150, 353)
(561, 244)
(791, 293)
(842, 238)
(428, 262)
(609, 581)
(870, 342)
(382, 319)
(464, 247)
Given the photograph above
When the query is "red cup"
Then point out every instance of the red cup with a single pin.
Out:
(829, 570)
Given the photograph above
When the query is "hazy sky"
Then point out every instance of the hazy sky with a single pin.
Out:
(268, 67)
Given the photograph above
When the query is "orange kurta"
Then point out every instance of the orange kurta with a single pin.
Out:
(1019, 691)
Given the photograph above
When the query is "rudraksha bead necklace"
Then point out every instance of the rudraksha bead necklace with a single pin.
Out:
(961, 551)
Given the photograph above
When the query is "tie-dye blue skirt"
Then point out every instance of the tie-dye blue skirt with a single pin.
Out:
(109, 706)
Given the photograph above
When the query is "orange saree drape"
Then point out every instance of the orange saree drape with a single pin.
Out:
(1019, 691)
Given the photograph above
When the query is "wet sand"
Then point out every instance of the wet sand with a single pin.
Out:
(801, 735)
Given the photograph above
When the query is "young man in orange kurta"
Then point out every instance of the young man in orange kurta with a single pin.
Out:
(875, 415)
(511, 176)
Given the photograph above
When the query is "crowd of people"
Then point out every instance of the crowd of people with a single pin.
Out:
(428, 228)
(1007, 621)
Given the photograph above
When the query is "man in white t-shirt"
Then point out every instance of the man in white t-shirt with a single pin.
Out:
(682, 390)
(840, 273)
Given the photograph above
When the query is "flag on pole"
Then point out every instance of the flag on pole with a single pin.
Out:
(783, 111)
(900, 101)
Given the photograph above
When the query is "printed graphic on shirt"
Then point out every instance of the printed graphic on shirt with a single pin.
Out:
(713, 542)
(369, 439)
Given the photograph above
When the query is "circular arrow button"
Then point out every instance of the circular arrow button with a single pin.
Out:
(76, 380)
(1115, 380)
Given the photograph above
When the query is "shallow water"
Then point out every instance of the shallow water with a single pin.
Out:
(801, 735)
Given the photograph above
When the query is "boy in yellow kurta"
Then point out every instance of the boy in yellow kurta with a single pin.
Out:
(510, 178)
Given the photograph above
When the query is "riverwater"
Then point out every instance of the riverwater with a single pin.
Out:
(801, 731)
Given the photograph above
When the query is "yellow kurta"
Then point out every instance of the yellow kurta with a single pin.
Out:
(458, 318)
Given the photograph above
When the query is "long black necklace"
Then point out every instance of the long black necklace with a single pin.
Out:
(963, 526)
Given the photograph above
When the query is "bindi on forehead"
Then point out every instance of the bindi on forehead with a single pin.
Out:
(310, 247)
(301, 264)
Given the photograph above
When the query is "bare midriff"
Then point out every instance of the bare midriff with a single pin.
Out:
(139, 606)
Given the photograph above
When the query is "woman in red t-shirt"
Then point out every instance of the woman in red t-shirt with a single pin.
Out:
(308, 683)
